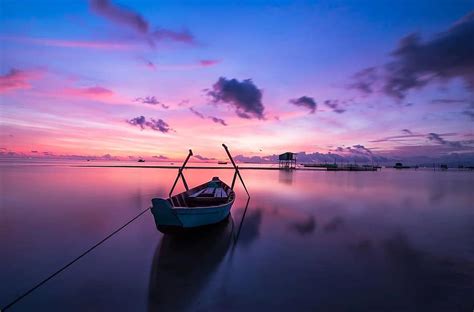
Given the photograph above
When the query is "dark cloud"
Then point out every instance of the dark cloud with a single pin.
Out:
(152, 101)
(180, 36)
(203, 158)
(183, 103)
(434, 137)
(416, 63)
(243, 96)
(335, 106)
(149, 64)
(136, 22)
(218, 120)
(195, 112)
(120, 15)
(305, 101)
(365, 80)
(160, 157)
(348, 154)
(448, 101)
(202, 116)
(361, 148)
(154, 124)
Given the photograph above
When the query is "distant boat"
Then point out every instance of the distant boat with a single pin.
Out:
(203, 205)
(141, 160)
(220, 162)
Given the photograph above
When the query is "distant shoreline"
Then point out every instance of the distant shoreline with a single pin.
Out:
(195, 167)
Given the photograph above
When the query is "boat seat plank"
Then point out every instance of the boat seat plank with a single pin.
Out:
(197, 193)
(208, 192)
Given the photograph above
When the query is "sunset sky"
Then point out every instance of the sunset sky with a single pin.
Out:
(153, 78)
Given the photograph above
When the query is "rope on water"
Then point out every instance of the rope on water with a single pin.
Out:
(72, 262)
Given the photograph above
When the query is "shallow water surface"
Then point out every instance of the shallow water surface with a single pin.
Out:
(311, 240)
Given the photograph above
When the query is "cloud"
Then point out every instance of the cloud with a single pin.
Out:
(207, 63)
(305, 101)
(416, 63)
(17, 79)
(154, 124)
(151, 100)
(437, 138)
(365, 80)
(449, 101)
(203, 158)
(83, 44)
(96, 92)
(137, 23)
(195, 112)
(361, 148)
(148, 64)
(243, 96)
(180, 36)
(218, 120)
(120, 15)
(160, 157)
(202, 116)
(334, 105)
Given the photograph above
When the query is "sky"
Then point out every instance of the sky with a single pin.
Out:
(120, 79)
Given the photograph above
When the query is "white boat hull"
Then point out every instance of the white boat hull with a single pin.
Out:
(168, 217)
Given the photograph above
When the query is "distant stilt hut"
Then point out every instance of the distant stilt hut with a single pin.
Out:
(287, 160)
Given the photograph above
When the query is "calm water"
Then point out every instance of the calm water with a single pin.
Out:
(327, 241)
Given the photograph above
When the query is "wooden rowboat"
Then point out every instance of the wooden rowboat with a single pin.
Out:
(203, 205)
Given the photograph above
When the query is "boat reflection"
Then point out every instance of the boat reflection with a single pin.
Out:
(184, 264)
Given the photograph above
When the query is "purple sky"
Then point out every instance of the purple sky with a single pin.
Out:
(373, 79)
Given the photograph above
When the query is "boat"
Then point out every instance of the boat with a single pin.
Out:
(220, 162)
(141, 160)
(204, 205)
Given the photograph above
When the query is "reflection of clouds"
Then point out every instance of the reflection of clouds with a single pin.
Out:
(334, 224)
(184, 264)
(305, 227)
(363, 246)
(438, 283)
(251, 227)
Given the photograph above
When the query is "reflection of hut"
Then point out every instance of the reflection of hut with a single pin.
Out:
(287, 160)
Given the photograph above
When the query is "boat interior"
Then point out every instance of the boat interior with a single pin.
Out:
(212, 193)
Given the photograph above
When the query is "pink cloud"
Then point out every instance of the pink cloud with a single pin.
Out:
(206, 63)
(17, 79)
(84, 44)
(95, 93)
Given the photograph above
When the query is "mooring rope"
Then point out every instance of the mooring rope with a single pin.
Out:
(71, 262)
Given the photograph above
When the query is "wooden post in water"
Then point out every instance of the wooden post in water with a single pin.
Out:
(180, 174)
(237, 172)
